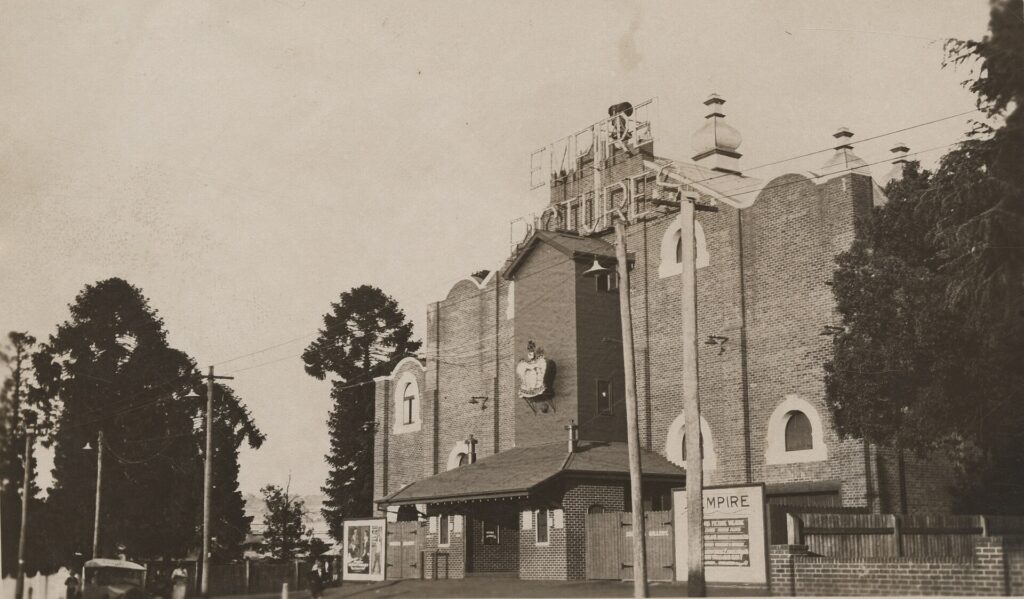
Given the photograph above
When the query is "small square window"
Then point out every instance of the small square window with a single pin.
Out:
(604, 397)
(490, 535)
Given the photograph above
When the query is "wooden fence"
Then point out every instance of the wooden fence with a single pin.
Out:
(240, 578)
(888, 535)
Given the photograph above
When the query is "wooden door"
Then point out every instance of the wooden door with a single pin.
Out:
(603, 532)
(403, 552)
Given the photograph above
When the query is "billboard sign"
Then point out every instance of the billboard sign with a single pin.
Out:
(735, 537)
(363, 553)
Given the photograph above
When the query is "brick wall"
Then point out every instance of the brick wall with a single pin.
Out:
(455, 550)
(500, 557)
(546, 314)
(578, 498)
(795, 572)
(542, 562)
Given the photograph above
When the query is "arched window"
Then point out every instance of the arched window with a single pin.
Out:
(407, 404)
(683, 445)
(463, 459)
(675, 444)
(408, 401)
(795, 433)
(671, 255)
(798, 432)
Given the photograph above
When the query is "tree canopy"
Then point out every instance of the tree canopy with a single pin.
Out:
(931, 296)
(110, 369)
(364, 335)
(285, 535)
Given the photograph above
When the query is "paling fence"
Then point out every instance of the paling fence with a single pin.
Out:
(851, 535)
(40, 586)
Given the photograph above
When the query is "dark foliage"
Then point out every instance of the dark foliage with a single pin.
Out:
(931, 295)
(113, 371)
(364, 336)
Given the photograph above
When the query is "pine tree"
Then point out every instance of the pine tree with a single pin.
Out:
(364, 336)
(113, 371)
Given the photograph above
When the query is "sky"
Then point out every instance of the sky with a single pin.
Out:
(245, 162)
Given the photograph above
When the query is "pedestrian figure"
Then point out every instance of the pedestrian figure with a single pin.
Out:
(72, 585)
(179, 582)
(316, 582)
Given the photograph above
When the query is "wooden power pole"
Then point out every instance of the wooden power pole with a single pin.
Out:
(99, 487)
(632, 430)
(19, 585)
(691, 405)
(204, 584)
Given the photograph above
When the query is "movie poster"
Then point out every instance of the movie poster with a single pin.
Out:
(363, 555)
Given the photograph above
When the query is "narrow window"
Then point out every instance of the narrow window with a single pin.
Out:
(615, 198)
(574, 216)
(608, 282)
(463, 459)
(588, 210)
(542, 526)
(604, 397)
(798, 432)
(408, 399)
(679, 250)
(442, 529)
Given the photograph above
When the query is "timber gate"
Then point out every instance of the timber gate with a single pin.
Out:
(610, 546)
(403, 552)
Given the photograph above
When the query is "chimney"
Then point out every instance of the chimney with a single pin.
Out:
(471, 449)
(716, 142)
(573, 435)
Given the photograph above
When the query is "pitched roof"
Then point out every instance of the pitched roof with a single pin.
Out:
(569, 244)
(514, 473)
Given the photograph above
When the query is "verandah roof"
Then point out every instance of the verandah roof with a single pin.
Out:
(514, 473)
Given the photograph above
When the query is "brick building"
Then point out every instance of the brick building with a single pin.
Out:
(493, 471)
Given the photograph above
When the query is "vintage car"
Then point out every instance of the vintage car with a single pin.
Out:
(114, 579)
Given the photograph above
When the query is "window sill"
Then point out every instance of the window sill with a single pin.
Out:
(406, 428)
(802, 456)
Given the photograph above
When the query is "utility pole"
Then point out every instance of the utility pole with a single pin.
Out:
(691, 404)
(686, 201)
(632, 430)
(208, 482)
(99, 485)
(23, 533)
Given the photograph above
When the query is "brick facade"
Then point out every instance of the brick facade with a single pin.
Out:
(577, 501)
(764, 290)
(997, 568)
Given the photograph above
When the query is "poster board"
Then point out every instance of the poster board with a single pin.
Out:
(363, 549)
(735, 541)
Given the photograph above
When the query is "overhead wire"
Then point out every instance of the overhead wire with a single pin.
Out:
(197, 375)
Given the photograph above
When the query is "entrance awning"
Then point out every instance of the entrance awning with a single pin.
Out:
(518, 471)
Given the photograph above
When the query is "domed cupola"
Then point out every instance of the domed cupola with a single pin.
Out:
(844, 160)
(716, 143)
